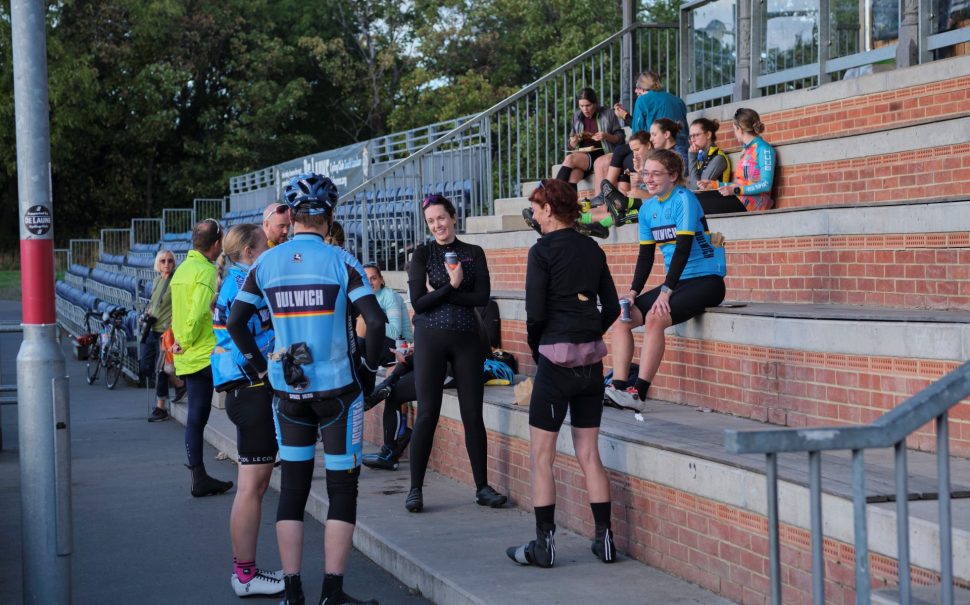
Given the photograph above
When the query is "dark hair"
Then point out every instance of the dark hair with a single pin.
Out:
(206, 234)
(748, 121)
(560, 197)
(374, 266)
(670, 160)
(641, 136)
(668, 125)
(587, 94)
(708, 126)
(313, 221)
(439, 200)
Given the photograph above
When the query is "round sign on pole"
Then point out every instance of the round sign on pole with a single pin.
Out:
(37, 220)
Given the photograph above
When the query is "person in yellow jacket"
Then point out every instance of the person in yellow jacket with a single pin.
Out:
(193, 286)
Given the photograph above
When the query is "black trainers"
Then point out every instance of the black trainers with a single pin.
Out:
(540, 552)
(603, 546)
(342, 598)
(616, 203)
(415, 500)
(384, 460)
(158, 415)
(379, 394)
(487, 496)
(527, 217)
(593, 230)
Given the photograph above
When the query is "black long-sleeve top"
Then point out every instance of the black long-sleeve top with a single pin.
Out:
(444, 307)
(566, 274)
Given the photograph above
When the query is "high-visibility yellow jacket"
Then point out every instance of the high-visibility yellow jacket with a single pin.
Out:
(193, 286)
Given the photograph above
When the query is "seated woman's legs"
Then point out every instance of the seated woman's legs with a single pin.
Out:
(601, 167)
(714, 203)
(574, 166)
(622, 353)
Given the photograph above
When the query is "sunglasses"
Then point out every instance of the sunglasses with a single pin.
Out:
(167, 261)
(280, 209)
(433, 199)
(216, 223)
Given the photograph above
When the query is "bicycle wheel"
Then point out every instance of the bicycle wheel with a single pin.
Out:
(113, 360)
(94, 361)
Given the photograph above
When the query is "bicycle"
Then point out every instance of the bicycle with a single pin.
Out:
(108, 348)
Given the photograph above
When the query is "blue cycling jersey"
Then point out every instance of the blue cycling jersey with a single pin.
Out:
(662, 220)
(227, 361)
(308, 286)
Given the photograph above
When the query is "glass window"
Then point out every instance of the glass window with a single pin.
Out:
(713, 27)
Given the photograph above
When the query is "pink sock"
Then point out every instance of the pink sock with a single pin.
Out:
(245, 570)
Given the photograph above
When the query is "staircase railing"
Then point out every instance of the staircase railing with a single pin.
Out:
(890, 430)
(519, 138)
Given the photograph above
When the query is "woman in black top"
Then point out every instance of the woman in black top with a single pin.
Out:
(567, 273)
(447, 328)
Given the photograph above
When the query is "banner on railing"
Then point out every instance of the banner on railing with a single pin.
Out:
(344, 166)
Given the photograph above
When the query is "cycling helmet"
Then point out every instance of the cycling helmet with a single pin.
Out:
(497, 373)
(310, 193)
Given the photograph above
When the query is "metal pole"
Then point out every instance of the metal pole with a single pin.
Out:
(626, 57)
(43, 419)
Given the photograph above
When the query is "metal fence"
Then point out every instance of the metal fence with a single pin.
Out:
(490, 155)
(146, 231)
(210, 208)
(891, 430)
(738, 49)
(84, 252)
(116, 241)
(9, 331)
(177, 222)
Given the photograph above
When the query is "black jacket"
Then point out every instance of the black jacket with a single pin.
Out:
(566, 274)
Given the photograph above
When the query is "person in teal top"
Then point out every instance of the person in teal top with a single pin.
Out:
(398, 322)
(674, 221)
(658, 103)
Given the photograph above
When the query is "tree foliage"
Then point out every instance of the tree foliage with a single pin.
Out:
(156, 102)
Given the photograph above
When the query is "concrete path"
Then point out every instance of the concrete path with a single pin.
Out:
(139, 537)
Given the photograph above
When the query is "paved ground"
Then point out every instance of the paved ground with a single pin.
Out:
(139, 537)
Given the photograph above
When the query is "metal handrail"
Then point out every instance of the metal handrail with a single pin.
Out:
(890, 430)
(508, 101)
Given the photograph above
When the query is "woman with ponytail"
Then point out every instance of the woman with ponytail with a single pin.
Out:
(754, 173)
(249, 405)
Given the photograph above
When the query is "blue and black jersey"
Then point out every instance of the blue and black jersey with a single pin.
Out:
(679, 213)
(227, 361)
(308, 287)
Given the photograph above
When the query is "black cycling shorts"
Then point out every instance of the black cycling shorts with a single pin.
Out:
(689, 299)
(250, 408)
(593, 156)
(338, 421)
(556, 388)
(623, 159)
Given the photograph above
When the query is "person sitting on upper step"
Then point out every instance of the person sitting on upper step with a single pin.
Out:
(595, 130)
(754, 173)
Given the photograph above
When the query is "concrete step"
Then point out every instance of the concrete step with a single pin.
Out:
(922, 595)
(511, 205)
(453, 553)
(495, 223)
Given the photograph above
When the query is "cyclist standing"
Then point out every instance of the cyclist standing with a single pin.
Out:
(309, 287)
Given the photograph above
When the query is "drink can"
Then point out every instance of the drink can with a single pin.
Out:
(625, 310)
(451, 259)
(402, 346)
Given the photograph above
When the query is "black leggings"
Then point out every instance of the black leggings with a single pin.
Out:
(714, 203)
(433, 348)
(395, 421)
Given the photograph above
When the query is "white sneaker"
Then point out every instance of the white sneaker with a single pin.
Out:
(263, 583)
(626, 398)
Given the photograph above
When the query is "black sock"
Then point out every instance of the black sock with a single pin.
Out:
(620, 385)
(641, 386)
(333, 583)
(546, 517)
(293, 588)
(564, 172)
(601, 513)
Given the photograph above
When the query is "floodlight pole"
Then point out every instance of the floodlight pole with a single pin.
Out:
(42, 411)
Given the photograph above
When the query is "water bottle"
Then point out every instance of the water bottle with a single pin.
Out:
(625, 310)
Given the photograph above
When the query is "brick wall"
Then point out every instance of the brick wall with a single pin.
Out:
(865, 113)
(720, 547)
(911, 271)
